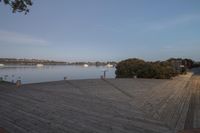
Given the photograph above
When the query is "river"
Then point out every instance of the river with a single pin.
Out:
(34, 74)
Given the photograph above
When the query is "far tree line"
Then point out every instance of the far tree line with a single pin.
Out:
(159, 69)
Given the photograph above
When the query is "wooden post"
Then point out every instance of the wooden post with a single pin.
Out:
(18, 83)
(104, 74)
(13, 78)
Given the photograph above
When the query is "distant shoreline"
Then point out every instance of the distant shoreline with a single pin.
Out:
(13, 61)
(32, 65)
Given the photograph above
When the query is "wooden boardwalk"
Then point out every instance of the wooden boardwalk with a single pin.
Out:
(101, 106)
(193, 117)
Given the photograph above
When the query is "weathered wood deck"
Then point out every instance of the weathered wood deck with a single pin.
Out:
(101, 106)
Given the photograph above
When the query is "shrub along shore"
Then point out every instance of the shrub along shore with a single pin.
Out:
(159, 70)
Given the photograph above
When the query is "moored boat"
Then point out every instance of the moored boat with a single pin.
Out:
(85, 65)
(2, 65)
(39, 65)
(109, 65)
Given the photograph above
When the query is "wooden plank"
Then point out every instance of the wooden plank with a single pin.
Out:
(117, 105)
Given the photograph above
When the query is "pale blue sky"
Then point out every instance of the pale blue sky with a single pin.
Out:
(91, 30)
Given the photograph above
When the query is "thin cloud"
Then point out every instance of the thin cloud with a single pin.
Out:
(13, 38)
(174, 22)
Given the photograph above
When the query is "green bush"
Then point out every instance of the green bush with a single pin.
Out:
(136, 67)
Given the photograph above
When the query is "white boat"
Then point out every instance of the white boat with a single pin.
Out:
(2, 65)
(109, 65)
(39, 65)
(85, 65)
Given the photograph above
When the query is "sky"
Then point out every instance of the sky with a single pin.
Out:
(102, 30)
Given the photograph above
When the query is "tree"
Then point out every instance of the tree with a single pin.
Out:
(128, 68)
(19, 5)
(135, 67)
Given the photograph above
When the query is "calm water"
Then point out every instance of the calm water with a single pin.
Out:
(196, 71)
(33, 74)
